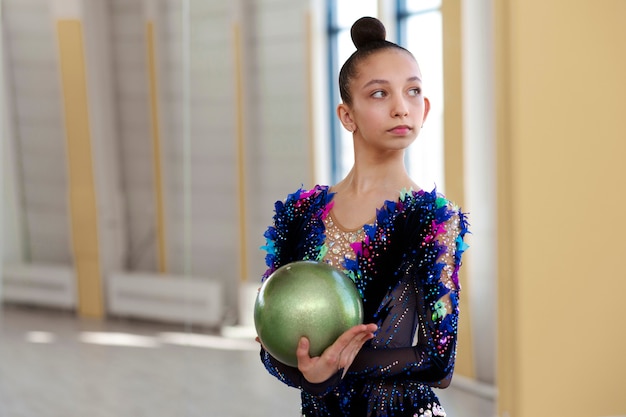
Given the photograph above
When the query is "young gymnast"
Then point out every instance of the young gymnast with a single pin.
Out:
(400, 244)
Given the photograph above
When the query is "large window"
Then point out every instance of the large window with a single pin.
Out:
(418, 27)
(420, 31)
(342, 14)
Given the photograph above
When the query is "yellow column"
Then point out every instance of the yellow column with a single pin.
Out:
(561, 146)
(156, 146)
(241, 151)
(82, 194)
(507, 368)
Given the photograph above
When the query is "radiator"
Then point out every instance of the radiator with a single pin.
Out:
(168, 298)
(40, 285)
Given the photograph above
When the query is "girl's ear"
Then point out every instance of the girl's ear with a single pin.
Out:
(345, 117)
(426, 109)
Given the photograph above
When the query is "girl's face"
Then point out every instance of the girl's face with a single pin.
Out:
(388, 108)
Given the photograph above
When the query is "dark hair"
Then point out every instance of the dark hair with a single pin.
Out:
(368, 35)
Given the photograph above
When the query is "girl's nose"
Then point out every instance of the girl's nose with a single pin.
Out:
(400, 109)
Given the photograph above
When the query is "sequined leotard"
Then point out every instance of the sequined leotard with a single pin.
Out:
(405, 265)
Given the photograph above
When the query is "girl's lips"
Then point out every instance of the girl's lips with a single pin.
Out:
(400, 130)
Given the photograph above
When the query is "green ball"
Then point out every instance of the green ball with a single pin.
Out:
(305, 298)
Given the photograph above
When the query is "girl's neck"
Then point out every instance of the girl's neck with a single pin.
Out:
(376, 178)
(364, 191)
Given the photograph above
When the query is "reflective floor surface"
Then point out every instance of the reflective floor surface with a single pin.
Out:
(53, 364)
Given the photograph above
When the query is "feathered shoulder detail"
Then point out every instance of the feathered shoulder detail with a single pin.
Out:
(298, 229)
(403, 240)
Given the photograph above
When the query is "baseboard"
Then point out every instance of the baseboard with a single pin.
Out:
(481, 389)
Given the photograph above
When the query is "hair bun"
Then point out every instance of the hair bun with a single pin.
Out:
(367, 30)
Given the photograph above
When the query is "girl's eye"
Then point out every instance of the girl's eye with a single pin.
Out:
(378, 94)
(415, 91)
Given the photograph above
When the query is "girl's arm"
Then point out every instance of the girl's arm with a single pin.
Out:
(435, 319)
(296, 234)
(294, 378)
(317, 375)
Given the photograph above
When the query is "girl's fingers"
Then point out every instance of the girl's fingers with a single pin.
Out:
(352, 334)
(350, 352)
(302, 351)
(345, 349)
(337, 356)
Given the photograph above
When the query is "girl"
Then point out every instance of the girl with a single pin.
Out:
(400, 244)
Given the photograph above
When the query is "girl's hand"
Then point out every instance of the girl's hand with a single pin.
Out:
(337, 356)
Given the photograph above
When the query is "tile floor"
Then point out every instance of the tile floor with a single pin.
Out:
(53, 364)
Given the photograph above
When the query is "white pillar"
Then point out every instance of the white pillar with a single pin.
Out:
(480, 176)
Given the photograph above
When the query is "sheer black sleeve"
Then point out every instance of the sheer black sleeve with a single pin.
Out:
(417, 336)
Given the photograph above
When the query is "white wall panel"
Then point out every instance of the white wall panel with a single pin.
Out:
(204, 9)
(128, 50)
(276, 53)
(142, 199)
(133, 113)
(205, 233)
(280, 4)
(200, 205)
(44, 139)
(209, 149)
(12, 247)
(46, 223)
(125, 26)
(213, 115)
(40, 171)
(286, 113)
(279, 137)
(46, 253)
(218, 33)
(283, 140)
(212, 245)
(273, 88)
(138, 174)
(205, 258)
(206, 181)
(281, 22)
(129, 54)
(34, 16)
(133, 152)
(34, 50)
(30, 40)
(124, 7)
(52, 197)
(37, 80)
(48, 238)
(133, 84)
(35, 109)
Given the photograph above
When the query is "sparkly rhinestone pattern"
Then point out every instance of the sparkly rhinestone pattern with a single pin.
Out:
(405, 265)
(339, 242)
